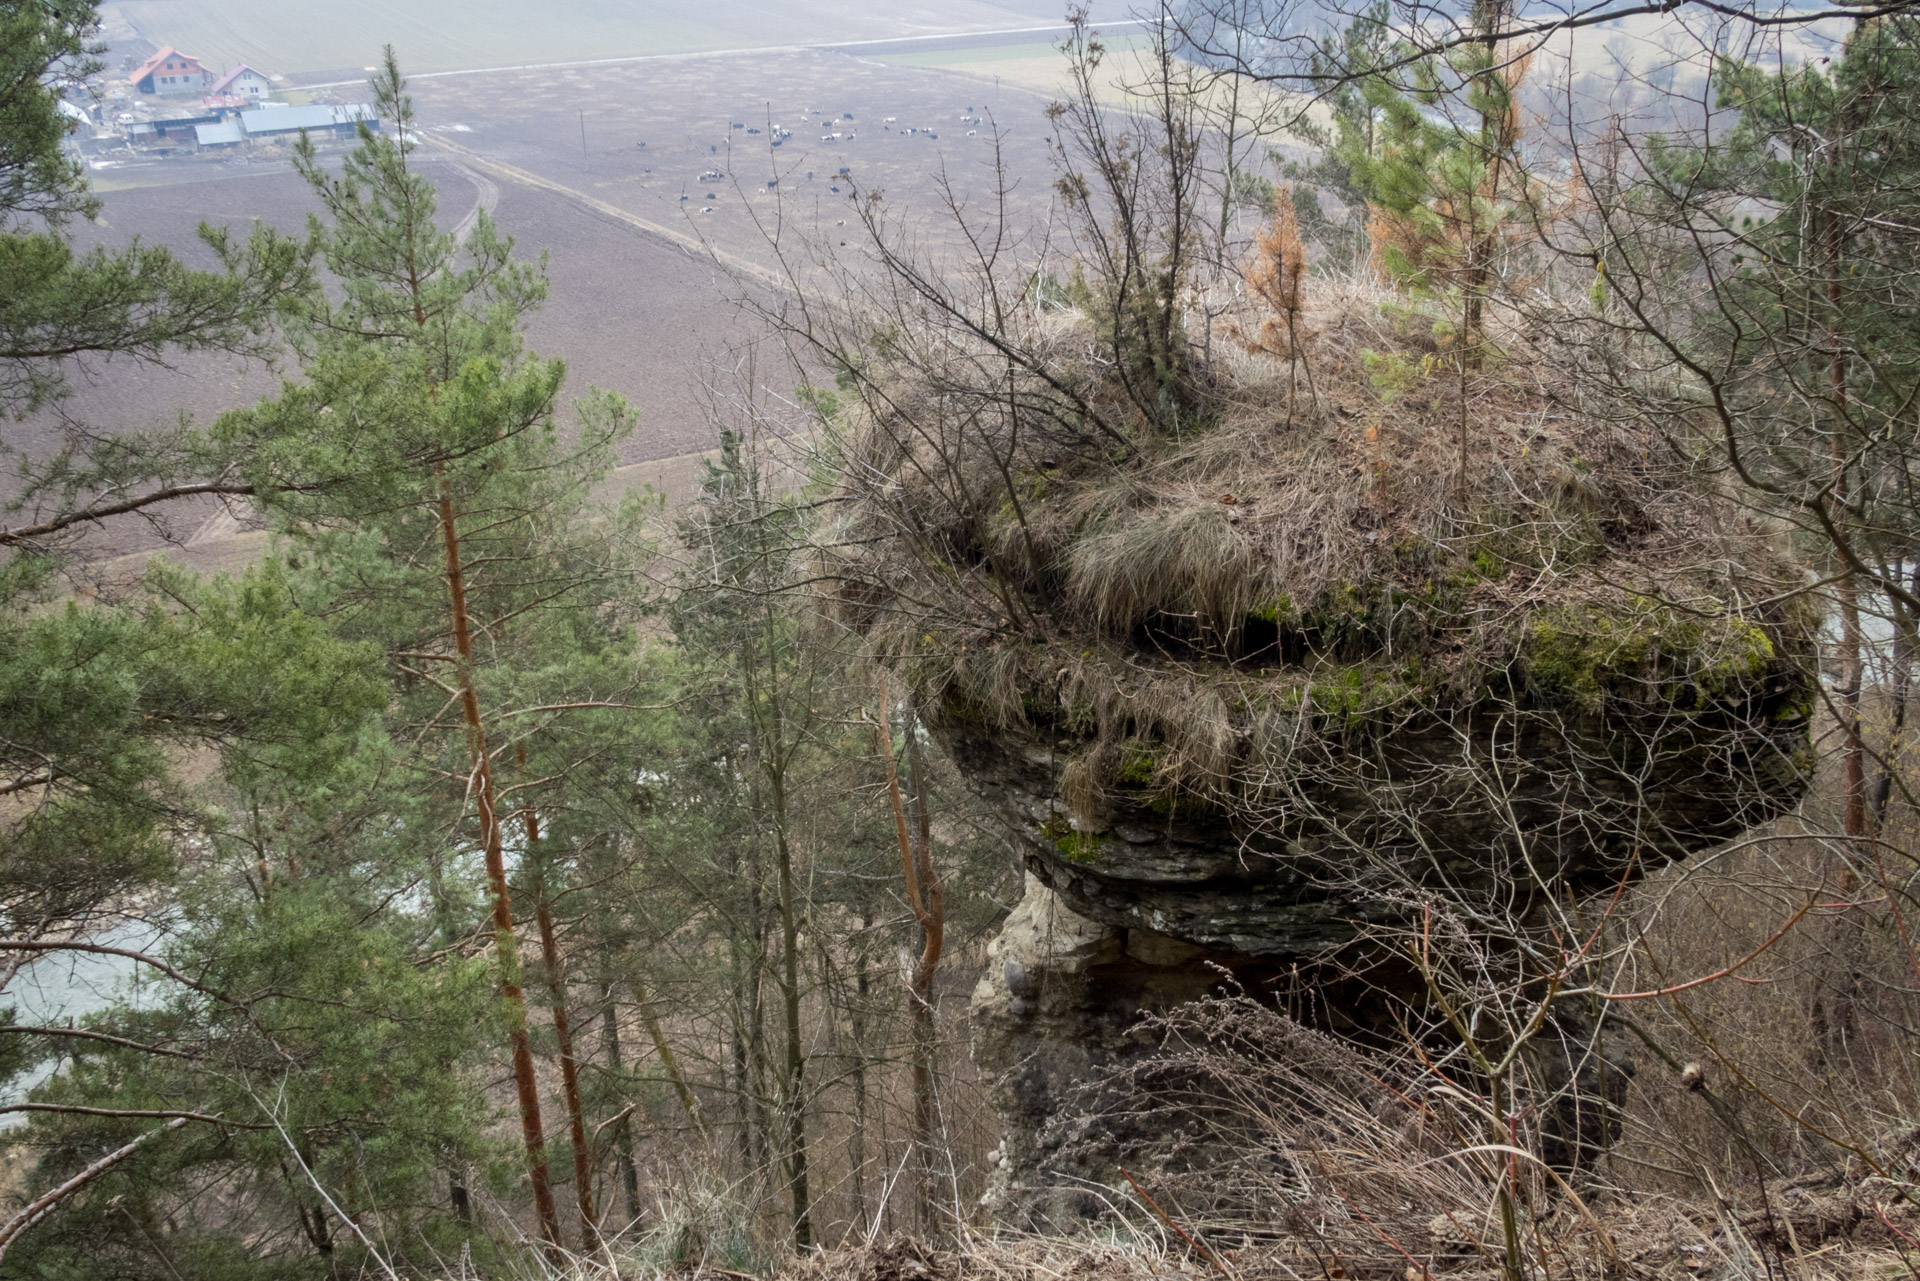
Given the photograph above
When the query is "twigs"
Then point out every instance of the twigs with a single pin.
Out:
(1166, 1218)
(1728, 971)
(352, 1224)
(102, 949)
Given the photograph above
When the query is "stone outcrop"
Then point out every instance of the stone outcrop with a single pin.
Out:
(1248, 685)
(1058, 1005)
(1141, 906)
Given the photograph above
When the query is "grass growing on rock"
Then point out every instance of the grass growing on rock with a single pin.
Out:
(1195, 612)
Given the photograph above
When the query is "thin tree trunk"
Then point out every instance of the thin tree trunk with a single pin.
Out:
(768, 746)
(747, 960)
(623, 1128)
(1899, 693)
(562, 1028)
(793, 1089)
(857, 1017)
(1496, 139)
(506, 949)
(927, 900)
(1850, 637)
(664, 1049)
(448, 932)
(739, 1073)
(758, 1091)
(933, 930)
(1848, 926)
(569, 1063)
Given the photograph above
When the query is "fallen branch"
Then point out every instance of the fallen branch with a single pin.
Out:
(42, 1207)
(83, 1034)
(138, 1113)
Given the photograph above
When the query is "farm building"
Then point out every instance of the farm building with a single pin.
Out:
(241, 81)
(149, 133)
(225, 133)
(269, 122)
(170, 73)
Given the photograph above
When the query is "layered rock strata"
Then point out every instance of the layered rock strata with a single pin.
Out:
(1142, 905)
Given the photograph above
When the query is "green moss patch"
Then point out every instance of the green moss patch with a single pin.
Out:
(1586, 656)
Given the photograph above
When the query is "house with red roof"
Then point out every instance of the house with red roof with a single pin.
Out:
(170, 73)
(243, 83)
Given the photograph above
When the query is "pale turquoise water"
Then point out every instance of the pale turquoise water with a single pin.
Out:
(72, 985)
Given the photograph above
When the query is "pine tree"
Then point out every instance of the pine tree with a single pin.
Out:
(290, 997)
(88, 717)
(1820, 294)
(1805, 357)
(1433, 147)
(420, 467)
(733, 609)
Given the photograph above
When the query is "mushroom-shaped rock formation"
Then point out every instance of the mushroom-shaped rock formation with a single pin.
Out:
(1248, 680)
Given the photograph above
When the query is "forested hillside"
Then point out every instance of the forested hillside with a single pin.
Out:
(1332, 704)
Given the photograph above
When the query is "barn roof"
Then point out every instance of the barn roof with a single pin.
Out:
(269, 120)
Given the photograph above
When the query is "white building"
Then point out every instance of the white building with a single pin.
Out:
(241, 81)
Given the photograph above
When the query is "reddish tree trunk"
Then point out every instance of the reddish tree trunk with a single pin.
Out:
(506, 949)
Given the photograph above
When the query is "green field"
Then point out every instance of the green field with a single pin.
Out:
(279, 37)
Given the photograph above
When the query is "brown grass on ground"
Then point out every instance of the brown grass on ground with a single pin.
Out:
(1840, 1236)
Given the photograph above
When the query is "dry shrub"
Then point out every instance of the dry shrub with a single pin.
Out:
(1004, 1258)
(1248, 1126)
(1803, 1067)
(1317, 1158)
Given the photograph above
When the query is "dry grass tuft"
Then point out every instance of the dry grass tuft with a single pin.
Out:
(1185, 558)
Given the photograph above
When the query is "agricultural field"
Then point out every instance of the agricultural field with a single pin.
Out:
(645, 285)
(1038, 67)
(305, 42)
(613, 332)
(895, 131)
(656, 191)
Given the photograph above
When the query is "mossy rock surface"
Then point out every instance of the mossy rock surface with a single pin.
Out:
(1251, 682)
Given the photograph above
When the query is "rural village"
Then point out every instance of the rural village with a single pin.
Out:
(169, 107)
